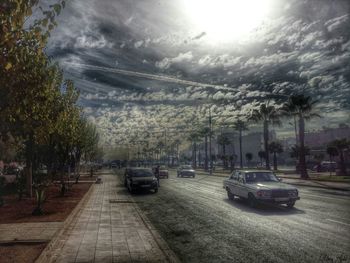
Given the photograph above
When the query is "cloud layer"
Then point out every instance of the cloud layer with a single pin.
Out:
(148, 68)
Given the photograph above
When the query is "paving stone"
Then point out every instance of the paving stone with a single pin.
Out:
(108, 232)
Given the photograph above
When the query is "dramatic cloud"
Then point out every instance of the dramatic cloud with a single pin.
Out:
(140, 64)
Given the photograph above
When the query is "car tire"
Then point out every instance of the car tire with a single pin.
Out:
(252, 200)
(125, 183)
(155, 190)
(290, 205)
(230, 195)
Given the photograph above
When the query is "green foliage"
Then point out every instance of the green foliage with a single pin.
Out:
(38, 107)
(275, 147)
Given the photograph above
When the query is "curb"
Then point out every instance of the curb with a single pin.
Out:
(294, 183)
(61, 235)
(320, 186)
(169, 254)
(163, 246)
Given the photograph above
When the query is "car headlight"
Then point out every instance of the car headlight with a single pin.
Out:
(263, 193)
(293, 192)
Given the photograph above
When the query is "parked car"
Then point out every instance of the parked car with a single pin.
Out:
(163, 171)
(260, 186)
(140, 178)
(10, 174)
(186, 170)
(325, 167)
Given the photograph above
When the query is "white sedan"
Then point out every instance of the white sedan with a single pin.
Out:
(260, 186)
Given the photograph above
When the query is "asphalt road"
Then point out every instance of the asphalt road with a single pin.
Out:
(200, 224)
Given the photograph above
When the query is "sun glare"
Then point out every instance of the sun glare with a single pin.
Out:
(226, 20)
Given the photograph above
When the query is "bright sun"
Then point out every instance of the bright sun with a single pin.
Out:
(226, 20)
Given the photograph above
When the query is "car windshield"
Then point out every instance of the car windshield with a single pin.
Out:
(187, 167)
(260, 177)
(141, 173)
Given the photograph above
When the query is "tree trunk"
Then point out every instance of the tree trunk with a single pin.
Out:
(195, 155)
(342, 162)
(295, 130)
(240, 149)
(206, 153)
(266, 144)
(302, 160)
(275, 161)
(224, 154)
(29, 165)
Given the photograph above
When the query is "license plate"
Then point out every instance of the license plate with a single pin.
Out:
(281, 199)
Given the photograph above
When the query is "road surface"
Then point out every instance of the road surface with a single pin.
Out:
(200, 224)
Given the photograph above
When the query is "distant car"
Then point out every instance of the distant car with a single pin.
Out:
(140, 178)
(114, 165)
(259, 186)
(10, 174)
(163, 172)
(325, 167)
(186, 170)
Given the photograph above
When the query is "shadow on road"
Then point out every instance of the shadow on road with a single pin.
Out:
(263, 209)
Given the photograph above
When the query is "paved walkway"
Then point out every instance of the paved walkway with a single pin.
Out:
(110, 228)
(29, 231)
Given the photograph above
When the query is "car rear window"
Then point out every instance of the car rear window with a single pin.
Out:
(141, 173)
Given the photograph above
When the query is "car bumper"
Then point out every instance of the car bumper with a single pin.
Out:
(187, 174)
(151, 185)
(281, 200)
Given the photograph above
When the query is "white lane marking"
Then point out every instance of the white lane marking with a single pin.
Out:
(335, 221)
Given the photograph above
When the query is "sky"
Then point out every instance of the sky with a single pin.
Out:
(142, 65)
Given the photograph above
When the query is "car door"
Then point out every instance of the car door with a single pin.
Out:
(232, 183)
(241, 187)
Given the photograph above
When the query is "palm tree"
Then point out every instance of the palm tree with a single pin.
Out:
(302, 107)
(332, 152)
(341, 145)
(268, 114)
(223, 140)
(240, 126)
(232, 159)
(160, 147)
(275, 148)
(194, 139)
(249, 157)
(205, 132)
(262, 155)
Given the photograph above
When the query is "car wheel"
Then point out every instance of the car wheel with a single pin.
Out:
(252, 200)
(167, 177)
(125, 184)
(230, 195)
(193, 176)
(291, 204)
(155, 190)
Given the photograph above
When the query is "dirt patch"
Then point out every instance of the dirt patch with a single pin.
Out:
(21, 253)
(56, 208)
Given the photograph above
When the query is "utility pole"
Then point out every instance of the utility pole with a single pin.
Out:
(210, 135)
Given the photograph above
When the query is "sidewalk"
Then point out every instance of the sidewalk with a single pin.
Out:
(109, 228)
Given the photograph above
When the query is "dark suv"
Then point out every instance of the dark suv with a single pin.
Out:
(140, 178)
